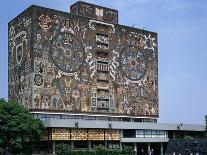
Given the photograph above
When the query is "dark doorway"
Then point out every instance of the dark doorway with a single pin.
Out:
(156, 147)
(80, 144)
(97, 143)
(142, 148)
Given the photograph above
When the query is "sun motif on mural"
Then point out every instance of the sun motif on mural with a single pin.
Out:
(67, 52)
(149, 42)
(133, 63)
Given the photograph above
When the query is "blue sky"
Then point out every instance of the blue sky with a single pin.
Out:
(182, 30)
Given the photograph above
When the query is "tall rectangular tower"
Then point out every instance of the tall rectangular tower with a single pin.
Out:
(82, 62)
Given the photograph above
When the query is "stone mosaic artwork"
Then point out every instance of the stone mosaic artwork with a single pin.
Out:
(20, 59)
(62, 61)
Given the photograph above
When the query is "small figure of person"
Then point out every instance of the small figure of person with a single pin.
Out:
(152, 151)
(149, 151)
(142, 152)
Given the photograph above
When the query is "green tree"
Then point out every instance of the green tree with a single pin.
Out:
(101, 150)
(17, 127)
(63, 149)
(2, 100)
(128, 150)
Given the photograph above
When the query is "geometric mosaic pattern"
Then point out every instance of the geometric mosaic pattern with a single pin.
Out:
(61, 61)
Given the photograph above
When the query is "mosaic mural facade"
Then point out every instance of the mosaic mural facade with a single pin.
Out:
(20, 59)
(63, 61)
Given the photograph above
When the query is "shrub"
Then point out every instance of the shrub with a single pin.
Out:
(63, 149)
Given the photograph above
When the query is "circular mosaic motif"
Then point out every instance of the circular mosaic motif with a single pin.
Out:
(38, 80)
(133, 63)
(67, 52)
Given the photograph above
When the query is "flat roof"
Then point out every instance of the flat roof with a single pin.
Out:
(64, 123)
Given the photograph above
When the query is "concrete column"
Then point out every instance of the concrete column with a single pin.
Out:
(120, 145)
(196, 136)
(148, 149)
(72, 144)
(105, 144)
(49, 141)
(135, 148)
(53, 147)
(121, 136)
(89, 145)
(173, 134)
(161, 149)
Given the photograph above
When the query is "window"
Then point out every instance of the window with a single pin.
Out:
(79, 117)
(89, 117)
(137, 120)
(129, 133)
(140, 133)
(35, 115)
(94, 102)
(148, 133)
(113, 145)
(151, 134)
(64, 117)
(125, 119)
(56, 116)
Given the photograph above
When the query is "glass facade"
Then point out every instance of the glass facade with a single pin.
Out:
(42, 116)
(151, 134)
